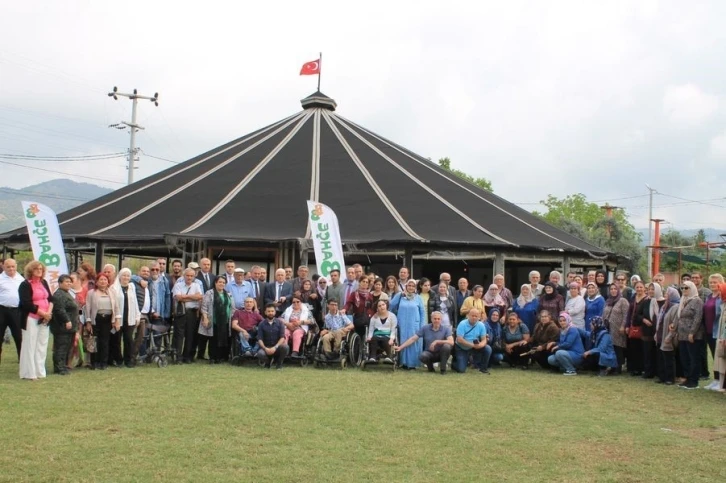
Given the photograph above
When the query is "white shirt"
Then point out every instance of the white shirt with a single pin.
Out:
(147, 301)
(193, 289)
(9, 296)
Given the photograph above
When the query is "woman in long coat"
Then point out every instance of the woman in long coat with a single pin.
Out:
(409, 311)
(216, 316)
(615, 315)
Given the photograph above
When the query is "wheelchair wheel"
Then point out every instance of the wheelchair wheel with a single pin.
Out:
(236, 360)
(304, 361)
(355, 350)
(343, 362)
(162, 362)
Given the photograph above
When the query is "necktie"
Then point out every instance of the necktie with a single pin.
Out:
(256, 288)
(253, 289)
(206, 278)
(279, 289)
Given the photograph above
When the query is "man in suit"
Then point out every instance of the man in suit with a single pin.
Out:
(302, 275)
(206, 277)
(229, 268)
(279, 292)
(256, 287)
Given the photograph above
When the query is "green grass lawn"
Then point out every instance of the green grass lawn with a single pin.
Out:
(224, 423)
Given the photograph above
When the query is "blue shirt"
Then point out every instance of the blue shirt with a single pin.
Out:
(429, 335)
(337, 321)
(469, 333)
(239, 293)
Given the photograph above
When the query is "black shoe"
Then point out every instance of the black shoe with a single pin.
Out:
(484, 371)
(295, 354)
(443, 373)
(431, 368)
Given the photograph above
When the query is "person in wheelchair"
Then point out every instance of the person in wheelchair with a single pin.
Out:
(337, 326)
(382, 332)
(438, 343)
(244, 326)
(298, 320)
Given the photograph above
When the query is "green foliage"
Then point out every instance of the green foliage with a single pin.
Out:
(482, 183)
(587, 221)
(692, 256)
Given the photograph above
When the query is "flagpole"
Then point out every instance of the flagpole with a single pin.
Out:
(320, 69)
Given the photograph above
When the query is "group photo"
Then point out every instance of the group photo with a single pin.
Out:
(411, 241)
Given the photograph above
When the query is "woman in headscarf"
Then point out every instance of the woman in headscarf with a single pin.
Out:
(690, 334)
(601, 280)
(545, 335)
(474, 301)
(409, 310)
(650, 359)
(602, 353)
(322, 287)
(360, 306)
(594, 304)
(216, 316)
(666, 338)
(567, 353)
(575, 306)
(127, 317)
(443, 302)
(526, 306)
(515, 336)
(424, 291)
(492, 299)
(711, 316)
(639, 309)
(494, 333)
(550, 300)
(391, 286)
(615, 315)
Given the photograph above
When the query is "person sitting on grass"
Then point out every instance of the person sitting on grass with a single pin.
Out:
(494, 336)
(382, 330)
(271, 339)
(567, 353)
(244, 324)
(337, 326)
(546, 333)
(471, 342)
(602, 355)
(63, 324)
(437, 342)
(515, 336)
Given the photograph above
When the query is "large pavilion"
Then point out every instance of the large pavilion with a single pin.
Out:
(246, 200)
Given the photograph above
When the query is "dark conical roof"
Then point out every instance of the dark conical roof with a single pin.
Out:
(255, 188)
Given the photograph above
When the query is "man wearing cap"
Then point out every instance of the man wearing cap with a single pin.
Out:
(239, 289)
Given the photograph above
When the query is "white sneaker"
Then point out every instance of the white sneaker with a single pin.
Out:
(712, 387)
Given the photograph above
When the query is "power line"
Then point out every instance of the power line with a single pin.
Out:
(700, 202)
(89, 157)
(61, 172)
(37, 194)
(160, 158)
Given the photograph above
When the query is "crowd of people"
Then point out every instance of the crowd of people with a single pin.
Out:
(581, 323)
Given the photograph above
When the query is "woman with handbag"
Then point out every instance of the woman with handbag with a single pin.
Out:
(691, 333)
(615, 315)
(639, 310)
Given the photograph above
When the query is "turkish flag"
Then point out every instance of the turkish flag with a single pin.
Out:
(311, 68)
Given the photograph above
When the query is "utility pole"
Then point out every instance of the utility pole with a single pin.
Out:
(133, 126)
(650, 231)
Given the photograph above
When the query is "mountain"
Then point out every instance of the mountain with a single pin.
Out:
(58, 194)
(712, 234)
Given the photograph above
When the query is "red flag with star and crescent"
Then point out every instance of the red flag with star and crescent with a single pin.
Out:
(310, 68)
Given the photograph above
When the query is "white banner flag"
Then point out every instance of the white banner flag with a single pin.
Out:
(45, 238)
(326, 239)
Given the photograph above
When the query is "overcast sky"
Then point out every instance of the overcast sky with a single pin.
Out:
(539, 97)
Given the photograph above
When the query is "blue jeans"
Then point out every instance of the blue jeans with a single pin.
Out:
(245, 344)
(480, 358)
(563, 360)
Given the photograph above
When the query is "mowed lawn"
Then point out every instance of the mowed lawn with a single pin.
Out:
(224, 423)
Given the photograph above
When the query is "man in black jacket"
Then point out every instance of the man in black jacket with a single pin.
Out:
(63, 325)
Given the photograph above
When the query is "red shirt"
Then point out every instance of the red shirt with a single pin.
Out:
(246, 320)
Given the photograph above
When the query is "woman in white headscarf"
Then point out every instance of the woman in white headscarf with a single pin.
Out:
(128, 314)
(690, 334)
(526, 306)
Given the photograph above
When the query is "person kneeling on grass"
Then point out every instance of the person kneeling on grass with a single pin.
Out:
(437, 341)
(244, 324)
(471, 342)
(63, 325)
(602, 354)
(271, 339)
(382, 330)
(567, 353)
(337, 326)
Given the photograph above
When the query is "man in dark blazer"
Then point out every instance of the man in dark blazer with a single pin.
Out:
(257, 287)
(279, 292)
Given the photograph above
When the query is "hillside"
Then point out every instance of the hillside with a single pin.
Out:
(712, 234)
(58, 194)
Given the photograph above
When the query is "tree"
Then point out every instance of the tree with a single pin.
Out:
(587, 221)
(482, 183)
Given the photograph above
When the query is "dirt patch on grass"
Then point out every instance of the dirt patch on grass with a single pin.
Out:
(706, 434)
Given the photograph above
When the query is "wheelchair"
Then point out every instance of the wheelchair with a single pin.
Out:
(350, 352)
(159, 347)
(236, 356)
(365, 355)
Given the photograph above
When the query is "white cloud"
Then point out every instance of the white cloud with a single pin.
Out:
(718, 146)
(688, 105)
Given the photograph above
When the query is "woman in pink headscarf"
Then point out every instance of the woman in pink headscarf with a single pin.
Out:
(492, 299)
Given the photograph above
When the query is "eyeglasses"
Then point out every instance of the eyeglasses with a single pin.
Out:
(154, 269)
(685, 288)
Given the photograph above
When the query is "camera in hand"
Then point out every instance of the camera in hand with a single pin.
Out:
(476, 341)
